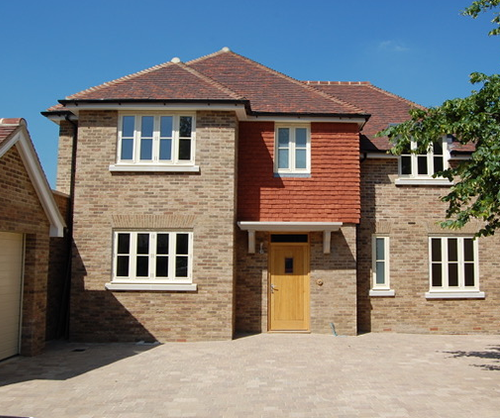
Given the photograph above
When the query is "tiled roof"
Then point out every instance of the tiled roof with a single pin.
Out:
(385, 108)
(170, 81)
(8, 126)
(268, 91)
(223, 75)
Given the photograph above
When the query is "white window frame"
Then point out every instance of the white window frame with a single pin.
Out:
(381, 289)
(292, 169)
(155, 164)
(445, 291)
(151, 282)
(414, 177)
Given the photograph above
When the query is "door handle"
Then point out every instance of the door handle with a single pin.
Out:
(273, 288)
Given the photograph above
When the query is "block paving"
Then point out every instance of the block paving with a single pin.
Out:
(264, 375)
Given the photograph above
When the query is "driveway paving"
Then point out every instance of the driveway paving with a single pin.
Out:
(265, 375)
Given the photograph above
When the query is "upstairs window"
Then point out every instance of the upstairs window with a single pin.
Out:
(424, 165)
(156, 139)
(292, 150)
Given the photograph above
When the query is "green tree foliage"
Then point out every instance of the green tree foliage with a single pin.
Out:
(477, 7)
(475, 119)
(475, 193)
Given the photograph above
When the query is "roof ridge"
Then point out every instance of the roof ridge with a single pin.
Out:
(13, 122)
(211, 81)
(119, 80)
(213, 54)
(338, 82)
(226, 50)
(300, 83)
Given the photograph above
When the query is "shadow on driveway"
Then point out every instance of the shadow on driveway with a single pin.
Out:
(493, 353)
(62, 360)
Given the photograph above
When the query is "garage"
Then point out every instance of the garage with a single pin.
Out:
(11, 273)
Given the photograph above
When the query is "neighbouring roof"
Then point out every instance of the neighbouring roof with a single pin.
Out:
(13, 132)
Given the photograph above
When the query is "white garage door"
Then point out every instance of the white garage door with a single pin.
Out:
(11, 268)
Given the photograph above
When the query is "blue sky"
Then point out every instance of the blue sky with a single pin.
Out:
(423, 51)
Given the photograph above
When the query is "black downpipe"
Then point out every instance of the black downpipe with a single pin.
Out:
(63, 322)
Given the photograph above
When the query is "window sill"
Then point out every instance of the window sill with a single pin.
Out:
(293, 175)
(154, 168)
(382, 292)
(455, 295)
(422, 181)
(168, 287)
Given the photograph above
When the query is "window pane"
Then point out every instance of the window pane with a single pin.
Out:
(184, 149)
(301, 137)
(289, 238)
(181, 264)
(146, 149)
(379, 248)
(468, 249)
(185, 126)
(122, 262)
(422, 164)
(380, 272)
(182, 246)
(147, 123)
(452, 249)
(127, 149)
(438, 164)
(162, 267)
(283, 137)
(142, 243)
(166, 126)
(128, 123)
(288, 265)
(438, 148)
(162, 244)
(142, 269)
(405, 164)
(453, 275)
(437, 280)
(123, 243)
(165, 149)
(469, 274)
(436, 249)
(300, 158)
(283, 158)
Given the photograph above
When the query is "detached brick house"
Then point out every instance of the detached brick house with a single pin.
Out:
(219, 195)
(29, 216)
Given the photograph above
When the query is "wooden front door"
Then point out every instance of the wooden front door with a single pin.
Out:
(289, 287)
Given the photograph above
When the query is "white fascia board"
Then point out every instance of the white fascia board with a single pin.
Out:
(238, 108)
(40, 183)
(289, 226)
(305, 119)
